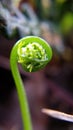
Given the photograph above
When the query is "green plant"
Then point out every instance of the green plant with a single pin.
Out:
(33, 53)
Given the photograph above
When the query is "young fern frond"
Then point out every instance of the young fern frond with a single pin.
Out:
(33, 53)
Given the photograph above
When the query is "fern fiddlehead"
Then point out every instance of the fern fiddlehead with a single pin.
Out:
(33, 53)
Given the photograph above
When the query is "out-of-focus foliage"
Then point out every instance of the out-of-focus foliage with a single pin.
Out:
(60, 12)
(24, 22)
(67, 23)
(59, 16)
(50, 19)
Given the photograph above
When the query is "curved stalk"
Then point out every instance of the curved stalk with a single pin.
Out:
(33, 53)
(27, 125)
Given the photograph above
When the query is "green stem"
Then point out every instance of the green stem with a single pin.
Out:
(20, 90)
